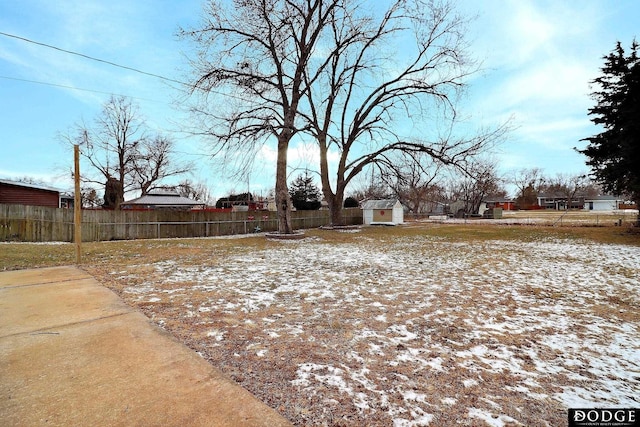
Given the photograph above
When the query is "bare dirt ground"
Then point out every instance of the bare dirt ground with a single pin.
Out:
(401, 326)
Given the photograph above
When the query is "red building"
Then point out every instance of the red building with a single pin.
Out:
(504, 204)
(20, 193)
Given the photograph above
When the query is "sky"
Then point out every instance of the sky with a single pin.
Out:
(537, 56)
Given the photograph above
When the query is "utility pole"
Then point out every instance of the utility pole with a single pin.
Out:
(77, 205)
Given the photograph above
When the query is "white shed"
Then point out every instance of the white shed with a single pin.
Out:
(387, 212)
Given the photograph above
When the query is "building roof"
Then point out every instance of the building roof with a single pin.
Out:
(163, 198)
(380, 204)
(498, 200)
(559, 196)
(605, 198)
(27, 185)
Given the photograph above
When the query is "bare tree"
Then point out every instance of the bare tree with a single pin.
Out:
(155, 162)
(480, 181)
(89, 198)
(255, 52)
(374, 190)
(196, 191)
(573, 188)
(415, 179)
(119, 155)
(111, 146)
(529, 183)
(332, 68)
(366, 88)
(29, 180)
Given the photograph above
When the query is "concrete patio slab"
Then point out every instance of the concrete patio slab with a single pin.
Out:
(72, 353)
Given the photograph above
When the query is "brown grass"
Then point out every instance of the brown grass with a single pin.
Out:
(264, 346)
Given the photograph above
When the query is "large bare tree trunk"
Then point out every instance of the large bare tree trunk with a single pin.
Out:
(335, 208)
(282, 191)
(334, 200)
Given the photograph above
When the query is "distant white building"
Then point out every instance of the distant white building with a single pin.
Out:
(162, 200)
(386, 212)
(602, 203)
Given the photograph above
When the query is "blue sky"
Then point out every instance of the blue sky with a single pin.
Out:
(538, 57)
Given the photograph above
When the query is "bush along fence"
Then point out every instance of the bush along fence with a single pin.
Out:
(42, 224)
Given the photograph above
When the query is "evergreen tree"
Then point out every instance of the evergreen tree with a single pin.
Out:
(614, 154)
(305, 196)
(351, 202)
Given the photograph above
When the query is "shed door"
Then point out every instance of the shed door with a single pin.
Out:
(382, 215)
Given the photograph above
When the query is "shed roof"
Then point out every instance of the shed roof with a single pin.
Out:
(380, 204)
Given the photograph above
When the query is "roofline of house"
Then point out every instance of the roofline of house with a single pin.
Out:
(27, 185)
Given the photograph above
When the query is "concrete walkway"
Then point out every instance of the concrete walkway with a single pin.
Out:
(73, 354)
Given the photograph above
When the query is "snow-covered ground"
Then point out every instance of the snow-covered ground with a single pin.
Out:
(409, 330)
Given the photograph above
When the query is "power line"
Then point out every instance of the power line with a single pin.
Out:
(72, 87)
(235, 96)
(93, 58)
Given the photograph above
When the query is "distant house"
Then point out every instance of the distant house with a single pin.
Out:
(162, 200)
(242, 203)
(497, 203)
(560, 202)
(603, 203)
(387, 212)
(20, 193)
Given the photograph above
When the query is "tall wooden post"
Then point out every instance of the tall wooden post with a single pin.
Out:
(77, 205)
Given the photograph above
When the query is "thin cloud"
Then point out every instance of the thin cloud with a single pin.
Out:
(540, 58)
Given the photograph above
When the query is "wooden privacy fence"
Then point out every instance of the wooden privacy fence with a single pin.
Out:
(42, 224)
